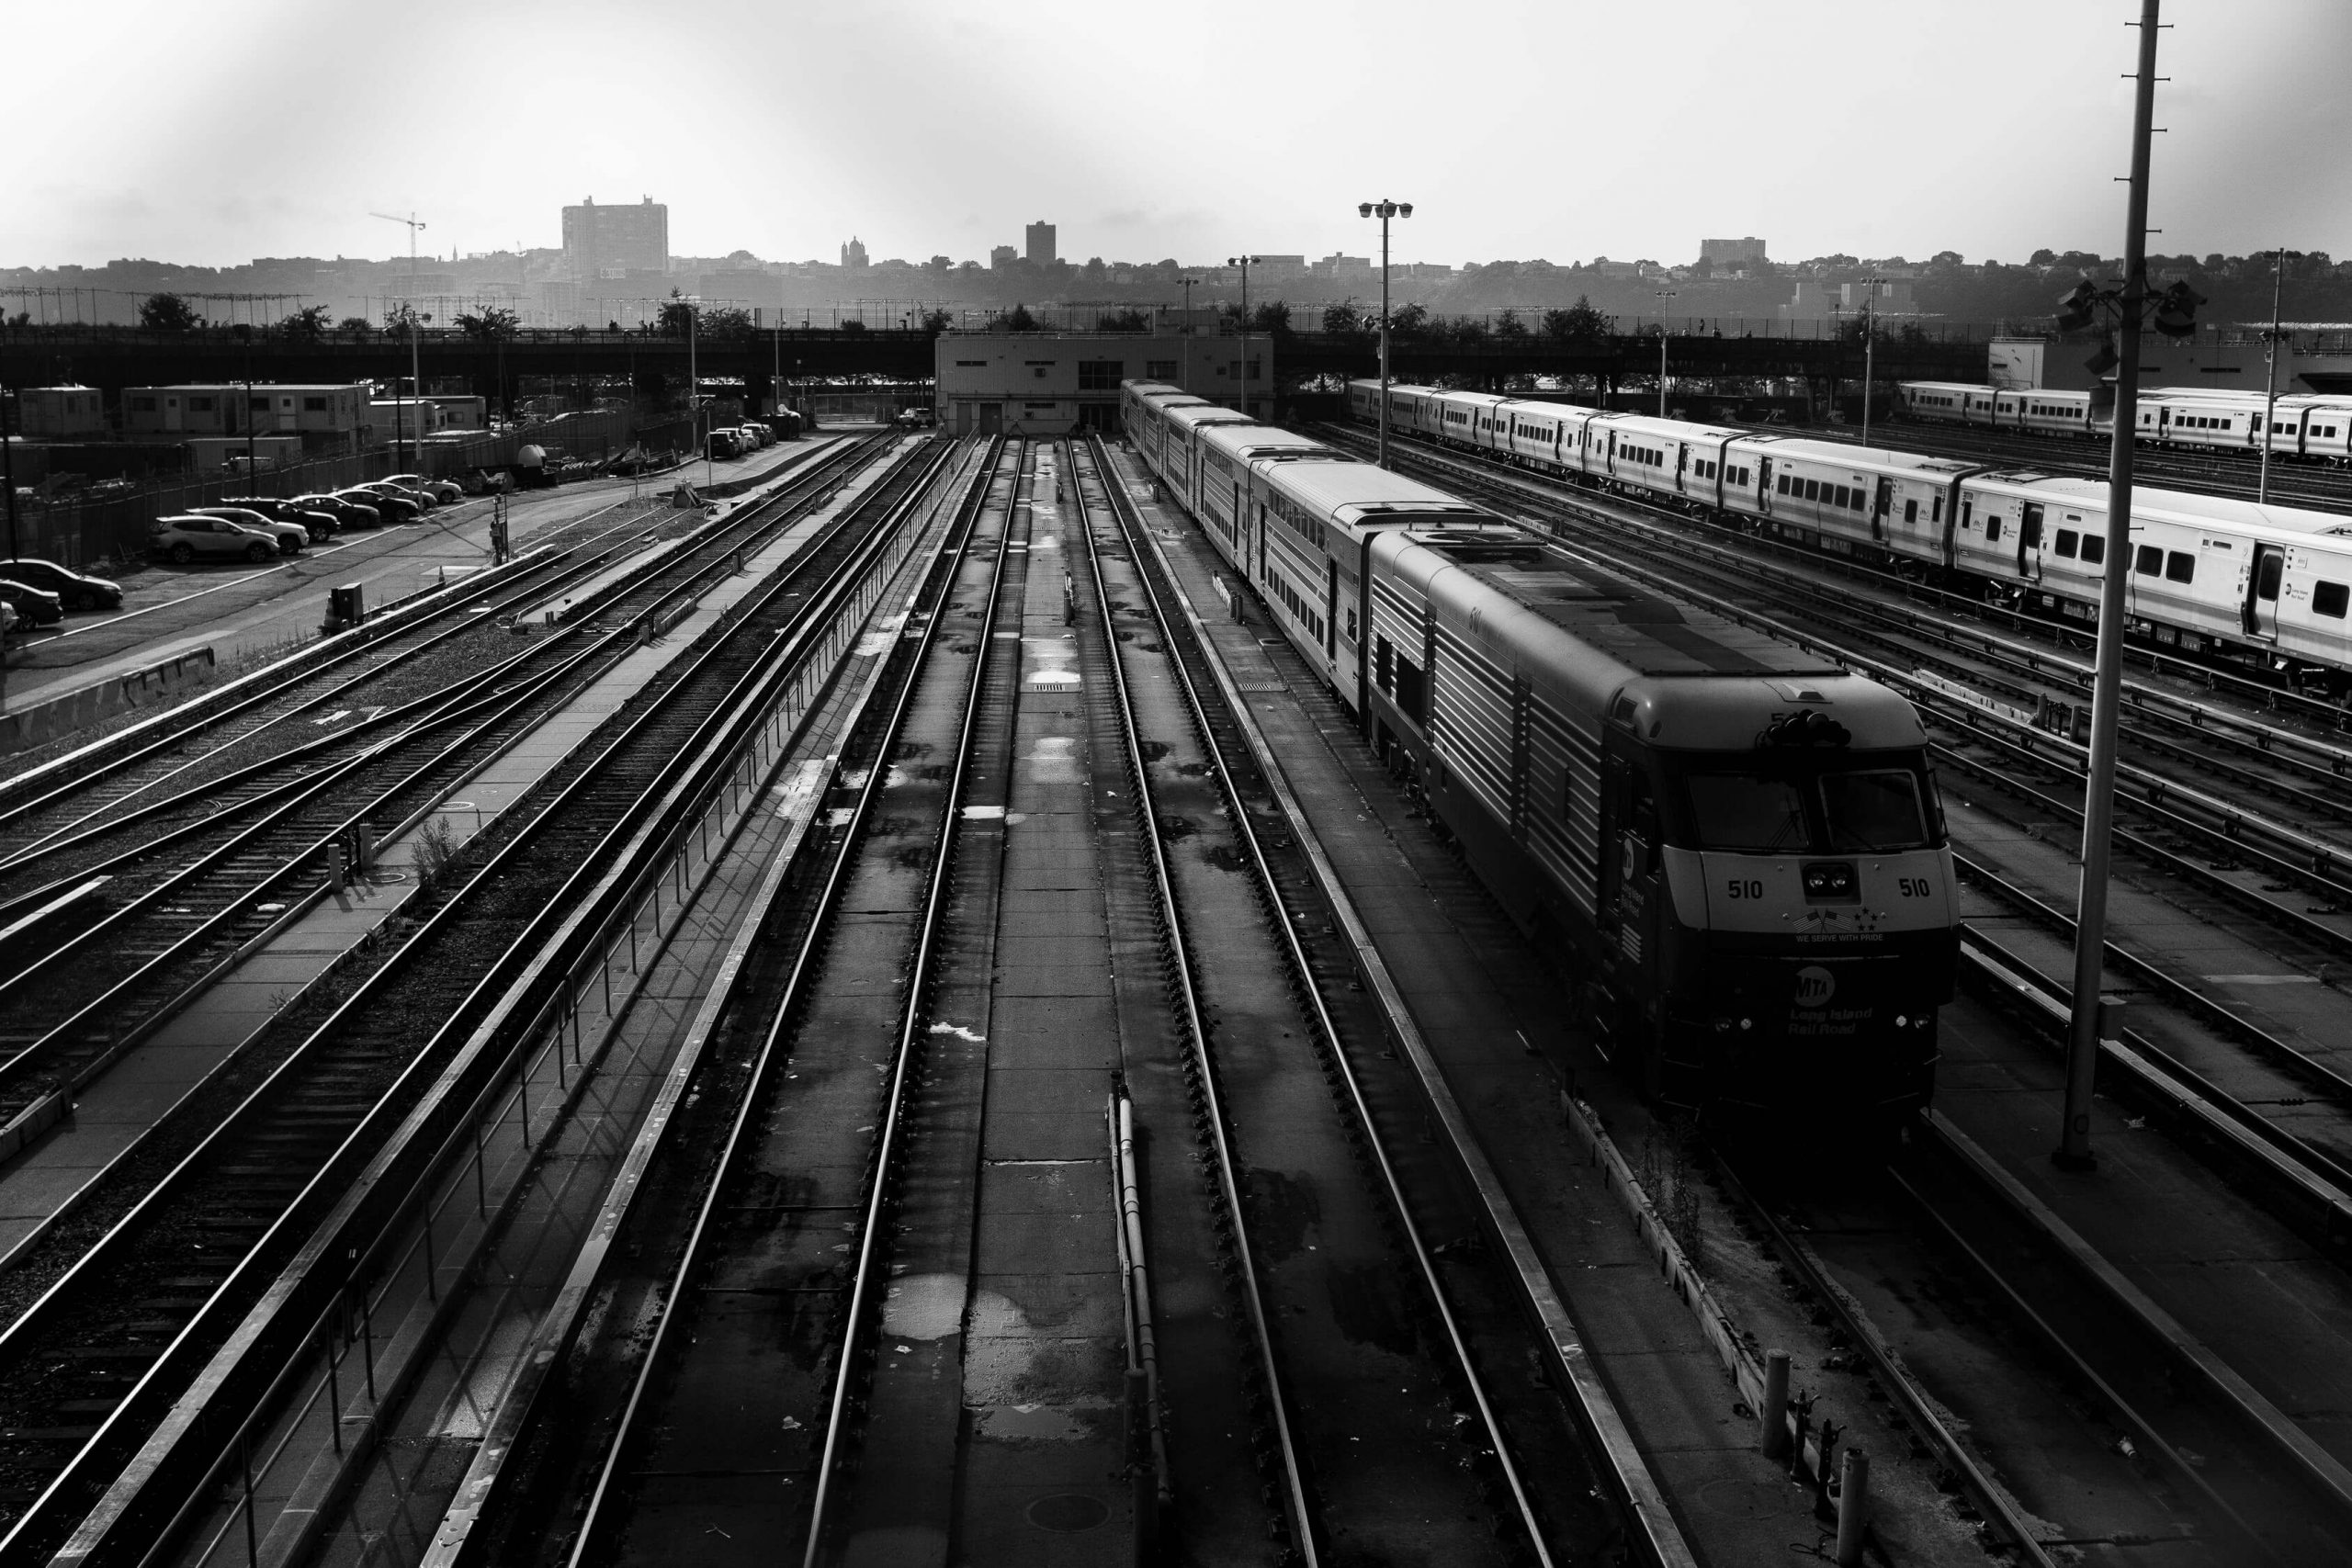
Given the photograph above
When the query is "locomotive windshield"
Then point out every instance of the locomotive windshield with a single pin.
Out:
(1806, 804)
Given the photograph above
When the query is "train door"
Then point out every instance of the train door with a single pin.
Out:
(2261, 613)
(2030, 542)
(1681, 464)
(1330, 605)
(1764, 486)
(1882, 502)
(1609, 462)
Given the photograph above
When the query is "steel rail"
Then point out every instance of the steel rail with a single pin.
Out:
(872, 1244)
(704, 559)
(511, 989)
(1218, 1129)
(499, 721)
(773, 1048)
(169, 730)
(1921, 1411)
(820, 627)
(1649, 1519)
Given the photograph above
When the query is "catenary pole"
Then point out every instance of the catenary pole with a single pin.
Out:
(2270, 372)
(2074, 1151)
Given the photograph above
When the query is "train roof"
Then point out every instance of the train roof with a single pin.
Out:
(1197, 416)
(1353, 492)
(1647, 632)
(1254, 441)
(1845, 453)
(1671, 429)
(1681, 677)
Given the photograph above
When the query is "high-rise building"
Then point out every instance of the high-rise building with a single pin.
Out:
(1002, 256)
(1039, 241)
(1732, 253)
(609, 242)
(853, 254)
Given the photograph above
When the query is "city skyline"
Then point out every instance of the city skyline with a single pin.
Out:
(1873, 169)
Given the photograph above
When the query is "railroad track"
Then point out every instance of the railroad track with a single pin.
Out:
(189, 904)
(231, 738)
(112, 1352)
(851, 1148)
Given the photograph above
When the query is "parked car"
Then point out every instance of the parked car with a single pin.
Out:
(414, 498)
(442, 490)
(76, 591)
(389, 508)
(346, 513)
(34, 606)
(292, 537)
(723, 443)
(316, 522)
(185, 538)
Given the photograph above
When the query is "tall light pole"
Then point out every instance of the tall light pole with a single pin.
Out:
(1870, 347)
(693, 387)
(1385, 209)
(1664, 295)
(2271, 369)
(1243, 262)
(2074, 1151)
(1188, 282)
(415, 377)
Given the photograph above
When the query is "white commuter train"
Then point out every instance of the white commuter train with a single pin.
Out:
(2207, 574)
(2312, 426)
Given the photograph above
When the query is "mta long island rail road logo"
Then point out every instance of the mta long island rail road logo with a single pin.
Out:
(1815, 985)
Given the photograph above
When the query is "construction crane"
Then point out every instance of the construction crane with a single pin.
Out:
(415, 379)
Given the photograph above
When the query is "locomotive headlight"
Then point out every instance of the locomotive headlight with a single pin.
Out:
(1723, 1026)
(1901, 1021)
(1747, 1023)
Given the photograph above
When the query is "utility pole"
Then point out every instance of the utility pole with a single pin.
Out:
(1869, 349)
(1386, 209)
(1243, 262)
(2074, 1151)
(2270, 371)
(1188, 282)
(9, 461)
(415, 377)
(1664, 295)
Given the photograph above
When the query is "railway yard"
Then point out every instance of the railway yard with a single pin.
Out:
(942, 1010)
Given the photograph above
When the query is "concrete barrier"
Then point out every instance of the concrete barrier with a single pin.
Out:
(45, 721)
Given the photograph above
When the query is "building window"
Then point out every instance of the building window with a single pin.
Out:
(142, 405)
(1253, 370)
(1100, 375)
(1159, 370)
(971, 365)
(199, 405)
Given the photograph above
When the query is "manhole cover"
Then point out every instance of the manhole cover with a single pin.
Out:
(1068, 1512)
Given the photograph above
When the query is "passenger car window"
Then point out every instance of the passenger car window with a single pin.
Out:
(2330, 599)
(2094, 548)
(2180, 566)
(2148, 561)
(1742, 811)
(2067, 540)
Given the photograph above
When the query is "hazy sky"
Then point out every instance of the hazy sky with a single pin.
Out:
(217, 132)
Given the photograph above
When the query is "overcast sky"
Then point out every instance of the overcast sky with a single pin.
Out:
(217, 132)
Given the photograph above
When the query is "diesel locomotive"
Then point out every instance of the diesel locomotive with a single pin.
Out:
(1734, 847)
